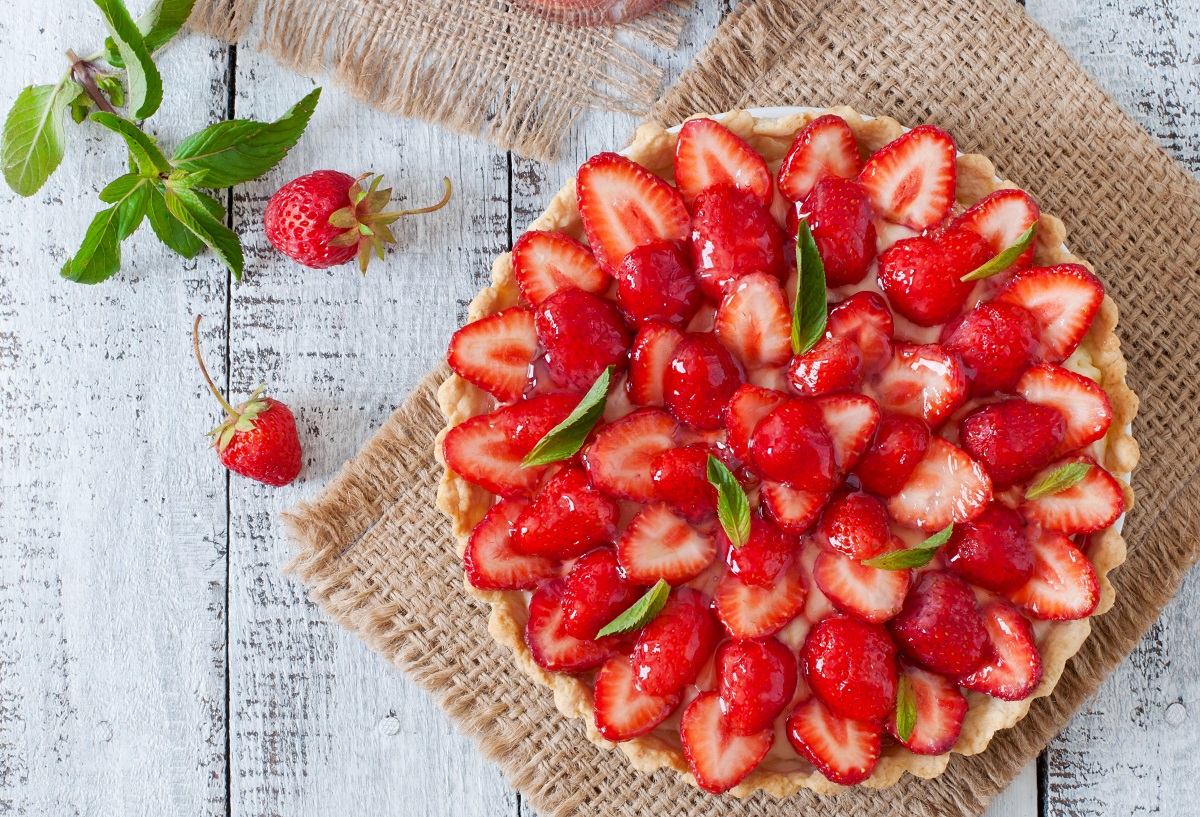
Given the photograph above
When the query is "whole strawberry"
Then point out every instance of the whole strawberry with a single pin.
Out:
(326, 218)
(258, 439)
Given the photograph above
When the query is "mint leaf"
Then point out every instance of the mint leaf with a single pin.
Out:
(1007, 257)
(195, 211)
(237, 151)
(145, 84)
(99, 256)
(641, 613)
(158, 25)
(913, 557)
(1058, 480)
(149, 158)
(169, 229)
(733, 509)
(906, 709)
(567, 437)
(33, 135)
(809, 311)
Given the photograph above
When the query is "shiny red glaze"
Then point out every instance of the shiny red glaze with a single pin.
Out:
(671, 649)
(765, 555)
(1013, 439)
(843, 227)
(596, 593)
(756, 680)
(733, 234)
(655, 283)
(900, 443)
(700, 380)
(865, 320)
(792, 445)
(582, 334)
(921, 275)
(568, 517)
(680, 478)
(992, 551)
(855, 524)
(940, 626)
(851, 666)
(996, 342)
(833, 365)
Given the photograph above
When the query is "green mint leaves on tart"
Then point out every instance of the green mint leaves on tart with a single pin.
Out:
(1006, 258)
(906, 709)
(733, 509)
(567, 437)
(641, 613)
(809, 312)
(913, 557)
(1058, 480)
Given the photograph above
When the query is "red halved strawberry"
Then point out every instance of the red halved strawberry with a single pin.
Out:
(622, 712)
(869, 593)
(793, 446)
(767, 552)
(718, 757)
(568, 517)
(851, 420)
(1064, 586)
(749, 611)
(655, 283)
(657, 544)
(700, 380)
(1081, 400)
(1063, 300)
(495, 353)
(996, 343)
(620, 458)
(756, 680)
(491, 561)
(1012, 439)
(623, 205)
(680, 478)
(856, 524)
(991, 551)
(940, 625)
(926, 382)
(748, 406)
(921, 275)
(833, 365)
(842, 749)
(865, 320)
(672, 648)
(946, 486)
(582, 334)
(792, 509)
(754, 322)
(708, 154)
(546, 262)
(900, 444)
(596, 593)
(653, 349)
(734, 235)
(487, 450)
(851, 666)
(826, 147)
(911, 180)
(1012, 668)
(551, 647)
(1001, 218)
(1092, 504)
(843, 226)
(940, 709)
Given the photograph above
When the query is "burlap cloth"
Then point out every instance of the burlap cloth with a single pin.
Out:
(378, 556)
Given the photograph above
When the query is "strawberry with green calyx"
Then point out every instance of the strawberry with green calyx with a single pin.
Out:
(325, 218)
(258, 439)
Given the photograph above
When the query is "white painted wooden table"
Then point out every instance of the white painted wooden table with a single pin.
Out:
(153, 660)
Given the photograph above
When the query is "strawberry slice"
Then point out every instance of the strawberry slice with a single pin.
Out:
(996, 344)
(940, 709)
(749, 611)
(843, 227)
(734, 235)
(700, 380)
(851, 666)
(746, 409)
(657, 544)
(766, 553)
(495, 353)
(719, 758)
(582, 334)
(619, 460)
(1092, 504)
(1012, 669)
(709, 154)
(546, 262)
(552, 648)
(491, 561)
(911, 180)
(681, 480)
(754, 322)
(597, 591)
(868, 593)
(621, 711)
(1013, 439)
(487, 450)
(792, 509)
(655, 283)
(826, 147)
(992, 551)
(792, 445)
(1063, 300)
(623, 205)
(856, 524)
(653, 349)
(946, 486)
(900, 444)
(851, 420)
(1001, 218)
(567, 518)
(925, 382)
(672, 648)
(921, 276)
(756, 680)
(1081, 400)
(940, 624)
(843, 750)
(865, 320)
(833, 365)
(1064, 586)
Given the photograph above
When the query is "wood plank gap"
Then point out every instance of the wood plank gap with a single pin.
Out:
(1043, 773)
(230, 113)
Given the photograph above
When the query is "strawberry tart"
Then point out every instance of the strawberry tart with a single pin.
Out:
(790, 450)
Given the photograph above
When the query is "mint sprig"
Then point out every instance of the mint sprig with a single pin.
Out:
(1058, 480)
(567, 437)
(809, 312)
(913, 557)
(144, 81)
(906, 709)
(643, 611)
(1005, 259)
(733, 509)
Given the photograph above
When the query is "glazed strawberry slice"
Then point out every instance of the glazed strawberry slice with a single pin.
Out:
(734, 235)
(900, 445)
(792, 509)
(700, 381)
(672, 648)
(940, 625)
(491, 561)
(620, 459)
(756, 680)
(653, 349)
(992, 551)
(1081, 400)
(766, 553)
(1064, 586)
(826, 147)
(620, 711)
(996, 343)
(792, 445)
(657, 544)
(623, 205)
(1063, 301)
(582, 334)
(487, 450)
(833, 365)
(946, 486)
(551, 647)
(856, 524)
(718, 757)
(746, 409)
(750, 611)
(1092, 504)
(495, 353)
(865, 320)
(754, 322)
(851, 666)
(596, 593)
(546, 262)
(655, 283)
(1012, 668)
(921, 276)
(868, 593)
(842, 749)
(1012, 439)
(843, 226)
(1001, 218)
(568, 517)
(911, 180)
(940, 709)
(680, 477)
(925, 382)
(851, 420)
(708, 154)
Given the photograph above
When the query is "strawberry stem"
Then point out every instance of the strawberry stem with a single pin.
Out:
(430, 209)
(204, 370)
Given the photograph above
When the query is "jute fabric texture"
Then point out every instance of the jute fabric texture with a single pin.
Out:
(378, 558)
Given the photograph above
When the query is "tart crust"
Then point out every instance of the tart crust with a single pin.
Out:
(465, 504)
